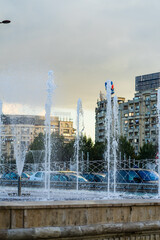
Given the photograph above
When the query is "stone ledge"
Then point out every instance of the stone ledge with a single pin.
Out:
(79, 204)
(79, 231)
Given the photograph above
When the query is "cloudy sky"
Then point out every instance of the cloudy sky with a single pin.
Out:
(85, 42)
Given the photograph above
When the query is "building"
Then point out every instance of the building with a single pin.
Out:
(27, 127)
(147, 82)
(139, 119)
(100, 113)
(139, 115)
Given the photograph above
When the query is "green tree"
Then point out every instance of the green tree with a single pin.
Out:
(38, 143)
(147, 151)
(86, 145)
(98, 151)
(125, 148)
(69, 151)
(57, 147)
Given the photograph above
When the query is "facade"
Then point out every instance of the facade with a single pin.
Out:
(147, 82)
(137, 117)
(27, 127)
(100, 113)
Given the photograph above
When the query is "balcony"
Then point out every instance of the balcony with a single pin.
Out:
(101, 121)
(130, 130)
(101, 134)
(101, 128)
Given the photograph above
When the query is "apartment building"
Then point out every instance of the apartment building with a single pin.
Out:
(137, 117)
(27, 127)
(100, 113)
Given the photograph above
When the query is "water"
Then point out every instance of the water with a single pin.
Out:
(20, 149)
(111, 133)
(108, 130)
(158, 110)
(50, 90)
(115, 137)
(80, 128)
(1, 125)
(48, 192)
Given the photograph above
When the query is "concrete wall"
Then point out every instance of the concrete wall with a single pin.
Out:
(81, 220)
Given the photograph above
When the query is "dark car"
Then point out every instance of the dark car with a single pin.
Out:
(74, 178)
(136, 175)
(58, 177)
(14, 176)
(95, 177)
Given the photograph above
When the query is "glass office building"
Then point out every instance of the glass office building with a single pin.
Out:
(147, 82)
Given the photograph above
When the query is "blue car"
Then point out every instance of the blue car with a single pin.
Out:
(136, 175)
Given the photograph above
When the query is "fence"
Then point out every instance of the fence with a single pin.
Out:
(131, 176)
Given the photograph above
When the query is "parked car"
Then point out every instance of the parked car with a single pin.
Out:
(54, 176)
(95, 177)
(136, 175)
(59, 177)
(38, 176)
(14, 176)
(73, 178)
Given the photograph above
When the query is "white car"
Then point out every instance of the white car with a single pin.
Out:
(38, 176)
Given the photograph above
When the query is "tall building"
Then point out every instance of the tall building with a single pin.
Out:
(147, 82)
(139, 119)
(139, 115)
(27, 127)
(100, 113)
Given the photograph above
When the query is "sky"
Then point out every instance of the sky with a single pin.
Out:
(84, 42)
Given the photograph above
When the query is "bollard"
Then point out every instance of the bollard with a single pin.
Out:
(19, 186)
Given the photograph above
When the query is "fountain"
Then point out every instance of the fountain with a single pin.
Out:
(20, 150)
(80, 128)
(50, 89)
(1, 124)
(112, 216)
(158, 110)
(111, 133)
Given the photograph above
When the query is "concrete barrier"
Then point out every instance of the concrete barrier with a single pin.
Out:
(109, 219)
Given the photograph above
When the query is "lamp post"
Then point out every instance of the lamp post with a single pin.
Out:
(5, 22)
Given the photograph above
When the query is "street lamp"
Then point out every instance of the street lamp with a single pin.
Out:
(5, 21)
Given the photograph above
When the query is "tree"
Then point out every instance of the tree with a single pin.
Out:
(125, 148)
(69, 151)
(98, 151)
(86, 146)
(147, 151)
(37, 144)
(57, 147)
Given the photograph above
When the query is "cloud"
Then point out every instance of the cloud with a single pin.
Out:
(84, 42)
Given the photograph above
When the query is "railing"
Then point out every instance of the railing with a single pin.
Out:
(127, 176)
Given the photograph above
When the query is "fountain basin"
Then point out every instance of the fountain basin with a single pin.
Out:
(101, 219)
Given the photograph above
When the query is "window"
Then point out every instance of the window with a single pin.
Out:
(132, 175)
(38, 174)
(125, 107)
(126, 122)
(147, 98)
